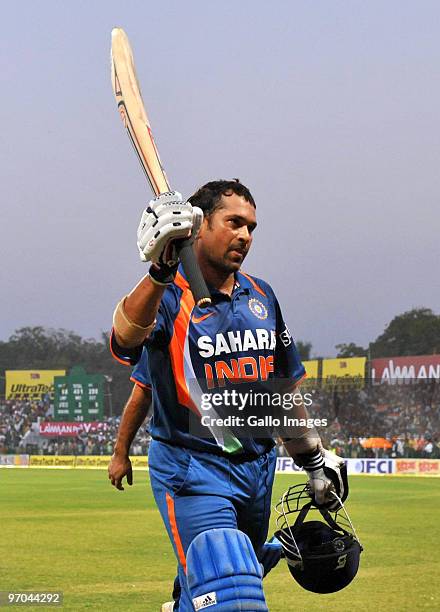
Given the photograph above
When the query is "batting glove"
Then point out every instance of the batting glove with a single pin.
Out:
(327, 474)
(166, 220)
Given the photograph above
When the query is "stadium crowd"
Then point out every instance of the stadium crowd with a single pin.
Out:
(19, 433)
(407, 416)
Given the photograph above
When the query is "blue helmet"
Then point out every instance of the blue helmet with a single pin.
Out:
(322, 555)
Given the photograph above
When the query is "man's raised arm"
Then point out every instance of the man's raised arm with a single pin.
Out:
(135, 315)
(166, 220)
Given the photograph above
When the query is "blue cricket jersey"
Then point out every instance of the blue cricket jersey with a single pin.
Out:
(240, 341)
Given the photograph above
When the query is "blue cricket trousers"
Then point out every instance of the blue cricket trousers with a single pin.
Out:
(196, 491)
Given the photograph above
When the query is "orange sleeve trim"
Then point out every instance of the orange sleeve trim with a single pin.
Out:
(139, 384)
(299, 381)
(254, 284)
(175, 531)
(126, 363)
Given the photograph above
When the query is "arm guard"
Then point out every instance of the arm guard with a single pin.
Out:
(128, 333)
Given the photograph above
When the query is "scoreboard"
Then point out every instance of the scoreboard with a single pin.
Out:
(79, 396)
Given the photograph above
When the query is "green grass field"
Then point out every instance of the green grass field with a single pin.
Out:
(70, 530)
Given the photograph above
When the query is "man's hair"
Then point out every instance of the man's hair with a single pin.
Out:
(208, 197)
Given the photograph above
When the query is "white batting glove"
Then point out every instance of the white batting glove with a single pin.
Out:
(327, 475)
(320, 487)
(166, 219)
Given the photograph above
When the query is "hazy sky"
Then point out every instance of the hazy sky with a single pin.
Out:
(329, 111)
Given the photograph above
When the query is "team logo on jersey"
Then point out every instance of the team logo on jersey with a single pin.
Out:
(257, 308)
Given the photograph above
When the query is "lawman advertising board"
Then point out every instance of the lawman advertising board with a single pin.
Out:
(405, 369)
(68, 429)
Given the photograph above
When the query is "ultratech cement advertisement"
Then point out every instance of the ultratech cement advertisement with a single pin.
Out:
(30, 384)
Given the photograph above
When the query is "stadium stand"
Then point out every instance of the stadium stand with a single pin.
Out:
(407, 415)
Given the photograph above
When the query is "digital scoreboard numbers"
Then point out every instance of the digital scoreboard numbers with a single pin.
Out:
(79, 396)
(61, 399)
(95, 397)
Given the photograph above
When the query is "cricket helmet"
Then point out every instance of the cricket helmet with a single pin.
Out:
(322, 555)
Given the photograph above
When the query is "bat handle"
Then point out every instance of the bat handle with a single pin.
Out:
(195, 278)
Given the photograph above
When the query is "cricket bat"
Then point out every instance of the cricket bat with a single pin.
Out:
(131, 108)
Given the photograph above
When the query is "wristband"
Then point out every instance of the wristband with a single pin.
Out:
(310, 461)
(161, 274)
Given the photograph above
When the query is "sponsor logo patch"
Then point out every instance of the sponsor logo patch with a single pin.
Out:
(195, 319)
(286, 336)
(205, 601)
(257, 308)
(342, 560)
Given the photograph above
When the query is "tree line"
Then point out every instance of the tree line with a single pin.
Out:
(416, 332)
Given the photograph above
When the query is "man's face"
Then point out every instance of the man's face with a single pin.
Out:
(226, 236)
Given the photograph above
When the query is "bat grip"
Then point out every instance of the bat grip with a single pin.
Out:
(194, 276)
